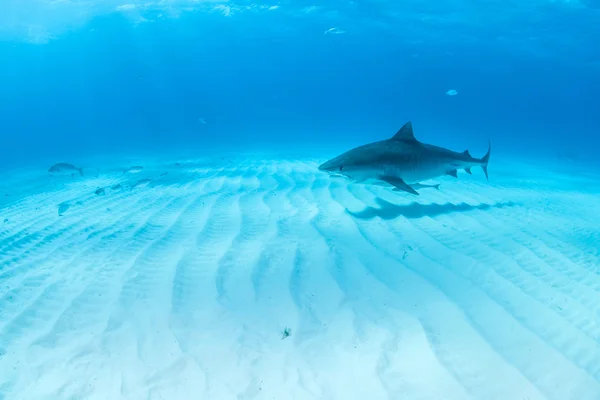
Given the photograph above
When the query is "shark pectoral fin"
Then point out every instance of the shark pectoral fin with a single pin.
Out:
(468, 170)
(453, 173)
(399, 184)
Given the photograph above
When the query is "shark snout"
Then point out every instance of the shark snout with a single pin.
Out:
(324, 167)
(331, 166)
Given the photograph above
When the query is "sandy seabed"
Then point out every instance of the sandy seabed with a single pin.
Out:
(181, 287)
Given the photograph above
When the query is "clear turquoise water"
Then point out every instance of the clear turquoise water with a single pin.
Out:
(181, 281)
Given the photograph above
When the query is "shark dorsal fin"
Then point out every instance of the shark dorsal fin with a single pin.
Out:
(466, 153)
(405, 134)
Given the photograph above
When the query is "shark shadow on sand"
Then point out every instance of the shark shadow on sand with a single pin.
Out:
(413, 210)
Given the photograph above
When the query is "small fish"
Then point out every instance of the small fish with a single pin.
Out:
(65, 168)
(452, 92)
(5, 220)
(286, 333)
(133, 170)
(100, 192)
(142, 182)
(62, 208)
(163, 174)
(117, 187)
(334, 31)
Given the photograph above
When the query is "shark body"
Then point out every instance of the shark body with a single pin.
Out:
(402, 161)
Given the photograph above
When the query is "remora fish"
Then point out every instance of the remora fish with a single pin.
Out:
(401, 161)
(415, 186)
(418, 186)
(65, 167)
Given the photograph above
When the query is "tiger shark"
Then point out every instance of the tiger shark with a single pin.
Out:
(402, 162)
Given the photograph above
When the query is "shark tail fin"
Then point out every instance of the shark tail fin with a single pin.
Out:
(437, 187)
(485, 160)
(80, 171)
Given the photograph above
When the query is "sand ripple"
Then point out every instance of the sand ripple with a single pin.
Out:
(182, 287)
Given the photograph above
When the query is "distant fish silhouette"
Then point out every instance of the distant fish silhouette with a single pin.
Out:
(142, 182)
(100, 192)
(62, 168)
(133, 170)
(334, 31)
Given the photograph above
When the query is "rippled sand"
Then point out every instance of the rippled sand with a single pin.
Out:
(182, 288)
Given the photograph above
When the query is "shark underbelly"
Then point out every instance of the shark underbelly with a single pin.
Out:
(419, 173)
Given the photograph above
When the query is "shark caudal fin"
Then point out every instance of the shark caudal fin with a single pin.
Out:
(80, 171)
(485, 160)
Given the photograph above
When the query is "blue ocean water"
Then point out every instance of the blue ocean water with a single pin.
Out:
(229, 267)
(81, 78)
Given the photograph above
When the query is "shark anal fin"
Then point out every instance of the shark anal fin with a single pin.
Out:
(468, 170)
(453, 173)
(405, 134)
(399, 184)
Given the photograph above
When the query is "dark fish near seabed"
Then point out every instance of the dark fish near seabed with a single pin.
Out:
(62, 208)
(100, 192)
(65, 168)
